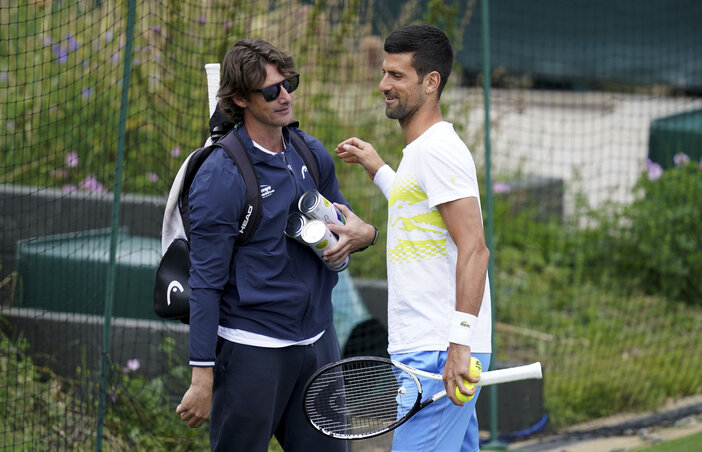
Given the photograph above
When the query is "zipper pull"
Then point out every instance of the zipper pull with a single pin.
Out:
(285, 159)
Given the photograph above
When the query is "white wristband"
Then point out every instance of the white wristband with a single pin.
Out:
(384, 179)
(462, 327)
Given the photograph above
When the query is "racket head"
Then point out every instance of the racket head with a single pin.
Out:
(360, 397)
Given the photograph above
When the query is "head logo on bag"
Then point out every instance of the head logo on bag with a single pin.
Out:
(173, 287)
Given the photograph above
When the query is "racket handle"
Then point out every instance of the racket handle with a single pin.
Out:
(212, 70)
(530, 371)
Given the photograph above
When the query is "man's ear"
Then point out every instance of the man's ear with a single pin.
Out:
(239, 101)
(432, 82)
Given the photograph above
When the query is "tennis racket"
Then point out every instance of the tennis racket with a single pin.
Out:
(212, 71)
(366, 396)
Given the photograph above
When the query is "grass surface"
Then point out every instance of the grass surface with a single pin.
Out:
(691, 443)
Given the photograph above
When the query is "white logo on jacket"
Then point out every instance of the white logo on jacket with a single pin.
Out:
(266, 191)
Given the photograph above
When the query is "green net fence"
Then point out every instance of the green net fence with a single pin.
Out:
(596, 142)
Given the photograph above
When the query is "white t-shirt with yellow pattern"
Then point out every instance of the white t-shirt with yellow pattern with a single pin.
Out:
(421, 256)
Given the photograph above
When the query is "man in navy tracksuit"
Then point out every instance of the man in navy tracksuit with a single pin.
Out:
(260, 317)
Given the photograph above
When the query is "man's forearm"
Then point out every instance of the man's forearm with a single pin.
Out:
(470, 281)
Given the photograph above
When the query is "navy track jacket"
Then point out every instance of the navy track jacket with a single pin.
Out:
(274, 286)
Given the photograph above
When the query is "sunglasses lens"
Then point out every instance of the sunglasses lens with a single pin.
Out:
(292, 83)
(270, 93)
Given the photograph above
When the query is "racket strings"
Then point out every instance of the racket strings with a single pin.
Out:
(360, 398)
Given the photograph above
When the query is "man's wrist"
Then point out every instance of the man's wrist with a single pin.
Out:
(202, 376)
(373, 242)
(374, 170)
(375, 236)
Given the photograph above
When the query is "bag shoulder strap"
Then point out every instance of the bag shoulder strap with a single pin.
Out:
(250, 216)
(233, 144)
(305, 152)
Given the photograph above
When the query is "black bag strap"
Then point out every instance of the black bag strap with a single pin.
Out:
(234, 145)
(248, 222)
(305, 153)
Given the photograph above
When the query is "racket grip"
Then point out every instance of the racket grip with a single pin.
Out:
(212, 70)
(530, 371)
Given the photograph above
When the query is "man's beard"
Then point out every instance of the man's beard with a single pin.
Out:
(405, 109)
(400, 112)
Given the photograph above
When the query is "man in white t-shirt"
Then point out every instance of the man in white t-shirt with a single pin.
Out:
(438, 291)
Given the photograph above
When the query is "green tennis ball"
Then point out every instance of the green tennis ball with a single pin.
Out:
(475, 368)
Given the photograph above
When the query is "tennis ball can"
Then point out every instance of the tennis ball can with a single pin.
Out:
(293, 228)
(316, 234)
(313, 205)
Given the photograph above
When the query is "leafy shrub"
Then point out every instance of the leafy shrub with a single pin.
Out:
(141, 409)
(653, 245)
(37, 410)
(663, 247)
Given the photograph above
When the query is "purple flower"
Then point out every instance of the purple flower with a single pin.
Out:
(681, 159)
(115, 57)
(175, 152)
(91, 183)
(153, 177)
(132, 365)
(501, 187)
(69, 188)
(86, 63)
(202, 20)
(60, 53)
(3, 76)
(108, 36)
(156, 28)
(654, 170)
(72, 159)
(87, 92)
(71, 42)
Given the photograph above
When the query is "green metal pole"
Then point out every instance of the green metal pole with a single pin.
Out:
(116, 205)
(494, 443)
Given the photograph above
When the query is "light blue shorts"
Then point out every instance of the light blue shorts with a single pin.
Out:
(441, 426)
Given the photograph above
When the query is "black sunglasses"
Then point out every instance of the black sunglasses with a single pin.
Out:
(271, 93)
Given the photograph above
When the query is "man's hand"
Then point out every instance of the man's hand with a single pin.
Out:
(353, 150)
(353, 235)
(456, 370)
(194, 408)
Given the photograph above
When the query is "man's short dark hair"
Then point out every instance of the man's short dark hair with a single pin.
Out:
(244, 69)
(431, 48)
